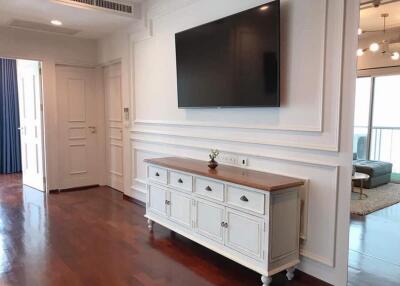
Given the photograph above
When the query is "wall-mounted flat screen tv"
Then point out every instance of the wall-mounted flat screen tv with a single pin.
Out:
(231, 62)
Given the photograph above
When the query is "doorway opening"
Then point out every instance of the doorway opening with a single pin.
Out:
(375, 200)
(21, 119)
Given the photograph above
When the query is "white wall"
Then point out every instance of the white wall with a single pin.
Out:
(308, 137)
(51, 50)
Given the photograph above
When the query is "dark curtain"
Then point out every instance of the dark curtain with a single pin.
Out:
(10, 144)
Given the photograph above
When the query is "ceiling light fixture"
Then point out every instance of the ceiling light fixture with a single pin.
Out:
(374, 47)
(56, 22)
(263, 8)
(395, 56)
(384, 45)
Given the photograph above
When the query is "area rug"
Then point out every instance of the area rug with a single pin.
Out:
(378, 198)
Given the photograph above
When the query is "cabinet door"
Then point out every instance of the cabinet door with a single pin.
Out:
(180, 209)
(156, 200)
(208, 220)
(244, 233)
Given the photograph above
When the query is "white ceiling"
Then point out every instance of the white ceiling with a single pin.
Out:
(370, 18)
(92, 24)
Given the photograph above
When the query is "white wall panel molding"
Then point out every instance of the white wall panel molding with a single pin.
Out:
(235, 148)
(321, 192)
(218, 135)
(316, 258)
(229, 125)
(314, 85)
(322, 134)
(138, 190)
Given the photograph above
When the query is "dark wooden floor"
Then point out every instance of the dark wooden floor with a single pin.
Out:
(95, 238)
(374, 256)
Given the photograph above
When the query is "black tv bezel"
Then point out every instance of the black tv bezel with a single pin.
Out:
(278, 96)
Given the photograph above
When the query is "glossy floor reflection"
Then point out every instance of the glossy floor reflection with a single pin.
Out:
(95, 238)
(374, 257)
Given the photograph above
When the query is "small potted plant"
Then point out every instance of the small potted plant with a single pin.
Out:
(212, 164)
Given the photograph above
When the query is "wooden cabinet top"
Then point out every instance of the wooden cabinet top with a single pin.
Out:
(245, 177)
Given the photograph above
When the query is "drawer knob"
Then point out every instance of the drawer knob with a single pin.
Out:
(167, 202)
(180, 181)
(208, 189)
(157, 174)
(244, 199)
(224, 224)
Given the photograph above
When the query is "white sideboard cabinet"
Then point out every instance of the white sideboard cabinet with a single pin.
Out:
(248, 216)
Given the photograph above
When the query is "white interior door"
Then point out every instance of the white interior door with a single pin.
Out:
(77, 122)
(30, 106)
(114, 126)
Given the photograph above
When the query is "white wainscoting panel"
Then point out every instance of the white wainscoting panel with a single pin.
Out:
(320, 191)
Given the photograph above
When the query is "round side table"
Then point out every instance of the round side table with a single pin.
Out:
(359, 177)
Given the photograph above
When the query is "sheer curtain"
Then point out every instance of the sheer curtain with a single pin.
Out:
(10, 144)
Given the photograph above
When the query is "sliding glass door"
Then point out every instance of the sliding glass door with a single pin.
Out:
(377, 120)
(385, 139)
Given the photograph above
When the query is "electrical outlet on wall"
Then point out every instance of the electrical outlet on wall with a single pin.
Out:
(229, 159)
(232, 159)
(243, 161)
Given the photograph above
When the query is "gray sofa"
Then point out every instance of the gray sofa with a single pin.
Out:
(378, 171)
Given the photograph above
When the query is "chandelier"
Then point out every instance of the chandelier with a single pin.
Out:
(383, 46)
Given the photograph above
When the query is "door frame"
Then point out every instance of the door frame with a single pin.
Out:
(42, 112)
(103, 68)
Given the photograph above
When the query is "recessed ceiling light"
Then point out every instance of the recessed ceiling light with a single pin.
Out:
(263, 8)
(56, 22)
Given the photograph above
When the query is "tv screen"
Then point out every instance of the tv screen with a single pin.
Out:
(231, 62)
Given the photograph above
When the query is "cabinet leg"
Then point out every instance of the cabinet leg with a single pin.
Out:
(290, 273)
(266, 280)
(150, 224)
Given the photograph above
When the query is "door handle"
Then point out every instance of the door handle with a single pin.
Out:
(92, 129)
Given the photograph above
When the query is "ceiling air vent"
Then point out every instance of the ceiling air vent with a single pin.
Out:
(123, 7)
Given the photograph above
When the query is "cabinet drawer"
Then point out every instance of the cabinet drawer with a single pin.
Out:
(181, 181)
(158, 174)
(245, 199)
(209, 188)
